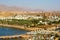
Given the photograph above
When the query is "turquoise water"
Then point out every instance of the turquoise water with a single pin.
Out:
(4, 31)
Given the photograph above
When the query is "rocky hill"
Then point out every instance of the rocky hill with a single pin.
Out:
(13, 10)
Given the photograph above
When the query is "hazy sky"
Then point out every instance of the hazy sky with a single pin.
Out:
(38, 4)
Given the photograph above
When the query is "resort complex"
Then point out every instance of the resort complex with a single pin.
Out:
(41, 26)
(29, 19)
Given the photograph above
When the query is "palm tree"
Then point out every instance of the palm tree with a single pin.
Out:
(35, 22)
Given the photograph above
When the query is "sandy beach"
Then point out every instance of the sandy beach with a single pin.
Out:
(19, 27)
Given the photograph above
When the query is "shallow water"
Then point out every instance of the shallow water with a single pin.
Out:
(5, 31)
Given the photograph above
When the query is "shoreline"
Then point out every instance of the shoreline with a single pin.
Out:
(16, 27)
(16, 36)
(11, 26)
(19, 27)
(29, 29)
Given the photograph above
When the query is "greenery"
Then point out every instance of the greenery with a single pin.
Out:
(28, 23)
(19, 22)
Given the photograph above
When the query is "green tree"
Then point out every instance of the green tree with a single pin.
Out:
(35, 22)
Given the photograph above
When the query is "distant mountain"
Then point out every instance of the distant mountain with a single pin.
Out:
(13, 10)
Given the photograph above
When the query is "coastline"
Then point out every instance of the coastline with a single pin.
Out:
(29, 29)
(16, 36)
(19, 27)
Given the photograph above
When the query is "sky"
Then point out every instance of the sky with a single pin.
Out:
(35, 4)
